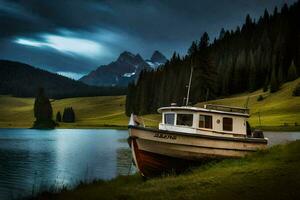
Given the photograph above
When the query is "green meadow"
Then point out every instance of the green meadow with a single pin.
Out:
(90, 112)
(269, 174)
(277, 111)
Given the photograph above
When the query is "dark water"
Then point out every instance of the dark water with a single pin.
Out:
(34, 160)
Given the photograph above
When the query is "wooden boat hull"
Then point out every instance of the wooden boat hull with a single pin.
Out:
(157, 151)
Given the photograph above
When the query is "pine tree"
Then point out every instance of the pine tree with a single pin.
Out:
(266, 16)
(245, 59)
(292, 72)
(252, 73)
(266, 85)
(68, 115)
(58, 117)
(193, 49)
(204, 41)
(222, 34)
(280, 77)
(274, 84)
(43, 111)
(130, 99)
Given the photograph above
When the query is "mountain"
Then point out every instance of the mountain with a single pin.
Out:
(157, 59)
(22, 80)
(124, 70)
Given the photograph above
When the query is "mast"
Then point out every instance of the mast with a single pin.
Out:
(189, 87)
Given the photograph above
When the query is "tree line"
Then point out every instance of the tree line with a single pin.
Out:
(263, 53)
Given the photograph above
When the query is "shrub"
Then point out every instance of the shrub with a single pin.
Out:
(68, 115)
(260, 98)
(296, 91)
(265, 88)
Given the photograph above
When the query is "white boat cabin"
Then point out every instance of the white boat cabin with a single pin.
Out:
(211, 120)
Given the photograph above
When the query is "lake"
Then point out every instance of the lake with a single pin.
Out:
(34, 160)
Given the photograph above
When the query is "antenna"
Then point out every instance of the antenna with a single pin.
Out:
(189, 87)
(207, 94)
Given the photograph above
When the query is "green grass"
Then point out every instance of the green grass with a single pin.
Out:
(275, 109)
(278, 111)
(90, 111)
(270, 174)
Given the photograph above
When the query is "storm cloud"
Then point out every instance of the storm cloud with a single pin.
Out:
(74, 37)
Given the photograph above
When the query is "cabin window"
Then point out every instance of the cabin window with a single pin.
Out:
(169, 118)
(205, 121)
(185, 119)
(227, 124)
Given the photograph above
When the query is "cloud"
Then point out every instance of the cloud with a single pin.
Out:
(15, 10)
(89, 33)
(78, 46)
(29, 42)
(69, 45)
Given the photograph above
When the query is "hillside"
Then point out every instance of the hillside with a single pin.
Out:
(90, 111)
(270, 174)
(261, 53)
(22, 80)
(278, 111)
(275, 110)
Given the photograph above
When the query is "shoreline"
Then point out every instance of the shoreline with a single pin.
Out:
(122, 127)
(75, 127)
(257, 176)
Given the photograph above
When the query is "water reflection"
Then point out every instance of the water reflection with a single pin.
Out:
(32, 160)
(124, 162)
(281, 137)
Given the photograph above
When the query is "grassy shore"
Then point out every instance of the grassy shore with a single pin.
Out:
(270, 174)
(278, 111)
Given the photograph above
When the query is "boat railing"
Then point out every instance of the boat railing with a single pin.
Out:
(227, 108)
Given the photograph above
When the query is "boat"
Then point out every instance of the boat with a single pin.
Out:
(189, 136)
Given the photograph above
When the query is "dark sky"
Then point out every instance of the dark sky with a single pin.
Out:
(75, 36)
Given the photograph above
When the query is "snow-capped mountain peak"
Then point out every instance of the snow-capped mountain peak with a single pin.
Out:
(124, 70)
(158, 57)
